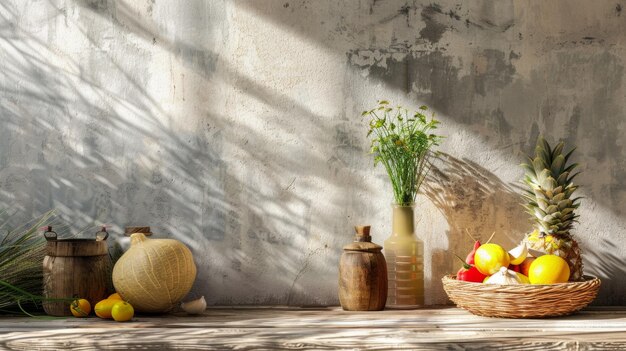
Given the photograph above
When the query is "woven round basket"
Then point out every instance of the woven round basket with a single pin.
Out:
(521, 301)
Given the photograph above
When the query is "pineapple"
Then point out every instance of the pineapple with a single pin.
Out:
(551, 205)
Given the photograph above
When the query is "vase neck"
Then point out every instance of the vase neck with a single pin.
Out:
(403, 220)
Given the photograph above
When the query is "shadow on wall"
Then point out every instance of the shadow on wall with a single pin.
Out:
(504, 72)
(83, 135)
(473, 199)
(609, 267)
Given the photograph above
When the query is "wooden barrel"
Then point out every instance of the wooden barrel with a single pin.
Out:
(75, 268)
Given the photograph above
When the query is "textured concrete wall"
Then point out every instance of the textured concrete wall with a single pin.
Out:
(233, 126)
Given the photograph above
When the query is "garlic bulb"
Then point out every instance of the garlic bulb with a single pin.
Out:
(194, 307)
(507, 277)
(518, 254)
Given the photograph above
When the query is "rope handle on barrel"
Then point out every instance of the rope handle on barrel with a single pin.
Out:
(48, 233)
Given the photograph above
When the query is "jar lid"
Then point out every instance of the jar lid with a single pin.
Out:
(132, 230)
(362, 241)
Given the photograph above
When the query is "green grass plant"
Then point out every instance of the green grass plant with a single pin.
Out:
(403, 143)
(22, 250)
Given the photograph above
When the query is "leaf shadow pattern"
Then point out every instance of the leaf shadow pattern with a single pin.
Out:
(609, 267)
(471, 198)
(88, 133)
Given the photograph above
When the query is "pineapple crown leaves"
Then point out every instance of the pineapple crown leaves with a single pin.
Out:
(549, 178)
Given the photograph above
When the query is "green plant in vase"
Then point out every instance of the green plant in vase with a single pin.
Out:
(402, 142)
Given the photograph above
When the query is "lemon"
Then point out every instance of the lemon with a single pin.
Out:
(122, 311)
(80, 308)
(103, 308)
(115, 296)
(548, 269)
(489, 258)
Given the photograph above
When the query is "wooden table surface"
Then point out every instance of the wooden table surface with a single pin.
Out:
(321, 328)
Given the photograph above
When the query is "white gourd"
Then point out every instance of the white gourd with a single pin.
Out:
(154, 275)
(506, 277)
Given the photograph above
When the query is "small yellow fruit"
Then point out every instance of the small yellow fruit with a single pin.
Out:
(489, 258)
(80, 308)
(524, 279)
(122, 311)
(115, 296)
(518, 254)
(548, 269)
(103, 308)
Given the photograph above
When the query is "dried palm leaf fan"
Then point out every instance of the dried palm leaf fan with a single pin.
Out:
(154, 275)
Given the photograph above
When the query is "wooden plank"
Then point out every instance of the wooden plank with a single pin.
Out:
(297, 338)
(263, 328)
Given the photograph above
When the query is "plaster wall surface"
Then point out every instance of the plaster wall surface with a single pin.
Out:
(234, 126)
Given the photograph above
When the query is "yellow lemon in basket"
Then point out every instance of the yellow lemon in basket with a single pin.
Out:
(548, 269)
(489, 258)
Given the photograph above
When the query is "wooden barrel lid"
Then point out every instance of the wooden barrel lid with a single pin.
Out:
(132, 230)
(76, 247)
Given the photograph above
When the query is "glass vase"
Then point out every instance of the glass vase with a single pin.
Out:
(404, 253)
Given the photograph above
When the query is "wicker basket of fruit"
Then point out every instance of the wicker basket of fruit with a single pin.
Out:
(521, 301)
(543, 276)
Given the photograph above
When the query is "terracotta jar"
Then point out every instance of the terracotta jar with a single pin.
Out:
(362, 274)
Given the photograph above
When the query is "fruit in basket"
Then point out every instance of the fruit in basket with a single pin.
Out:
(524, 267)
(549, 269)
(469, 273)
(551, 204)
(515, 268)
(518, 254)
(489, 258)
(524, 278)
(506, 277)
(470, 255)
(567, 249)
